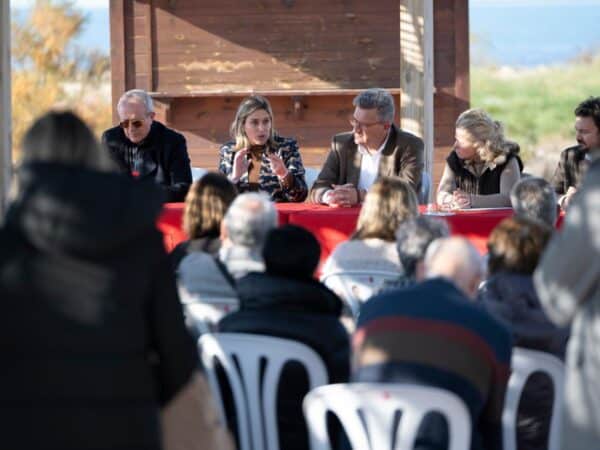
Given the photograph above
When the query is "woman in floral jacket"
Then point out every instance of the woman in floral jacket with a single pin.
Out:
(257, 159)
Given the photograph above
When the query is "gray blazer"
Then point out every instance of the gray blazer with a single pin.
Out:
(401, 157)
(568, 284)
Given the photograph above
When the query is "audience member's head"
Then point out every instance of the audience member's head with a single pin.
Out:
(243, 127)
(389, 202)
(291, 251)
(456, 259)
(516, 244)
(205, 205)
(412, 239)
(378, 99)
(534, 198)
(248, 220)
(587, 123)
(62, 137)
(136, 114)
(478, 136)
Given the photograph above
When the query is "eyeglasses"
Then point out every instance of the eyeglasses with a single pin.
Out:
(137, 123)
(357, 125)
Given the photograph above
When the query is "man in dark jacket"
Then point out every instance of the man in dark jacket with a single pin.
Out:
(287, 302)
(145, 148)
(574, 161)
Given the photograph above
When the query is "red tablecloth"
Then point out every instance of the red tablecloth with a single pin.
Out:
(334, 225)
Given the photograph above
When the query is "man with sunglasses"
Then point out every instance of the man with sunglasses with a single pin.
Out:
(146, 149)
(375, 147)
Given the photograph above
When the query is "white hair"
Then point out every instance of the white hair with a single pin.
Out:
(249, 218)
(137, 96)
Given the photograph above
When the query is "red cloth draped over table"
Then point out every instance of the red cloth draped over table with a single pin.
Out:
(334, 225)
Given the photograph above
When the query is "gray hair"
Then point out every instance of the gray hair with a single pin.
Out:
(414, 236)
(249, 219)
(534, 198)
(379, 99)
(137, 96)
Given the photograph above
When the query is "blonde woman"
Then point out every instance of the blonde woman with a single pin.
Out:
(389, 202)
(483, 166)
(205, 205)
(257, 159)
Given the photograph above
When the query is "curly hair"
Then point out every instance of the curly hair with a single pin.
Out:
(487, 134)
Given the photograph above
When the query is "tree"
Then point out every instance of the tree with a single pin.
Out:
(49, 71)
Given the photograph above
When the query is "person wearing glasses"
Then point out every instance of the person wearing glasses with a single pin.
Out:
(146, 149)
(375, 147)
(257, 159)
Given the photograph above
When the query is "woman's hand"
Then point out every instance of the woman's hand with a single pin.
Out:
(461, 199)
(240, 164)
(277, 165)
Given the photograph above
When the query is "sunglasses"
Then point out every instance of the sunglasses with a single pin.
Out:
(137, 123)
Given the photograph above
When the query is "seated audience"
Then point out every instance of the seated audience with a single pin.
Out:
(287, 302)
(258, 159)
(534, 198)
(205, 206)
(412, 239)
(514, 248)
(388, 203)
(146, 149)
(93, 340)
(483, 166)
(433, 334)
(204, 278)
(574, 161)
(375, 147)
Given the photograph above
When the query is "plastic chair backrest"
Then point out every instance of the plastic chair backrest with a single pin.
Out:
(310, 175)
(423, 194)
(254, 392)
(525, 362)
(356, 286)
(205, 316)
(198, 172)
(369, 414)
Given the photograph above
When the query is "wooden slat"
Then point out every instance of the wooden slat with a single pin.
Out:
(118, 49)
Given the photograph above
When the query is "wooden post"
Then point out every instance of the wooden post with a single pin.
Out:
(416, 72)
(5, 107)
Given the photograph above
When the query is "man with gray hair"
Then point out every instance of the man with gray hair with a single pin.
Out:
(146, 149)
(534, 198)
(207, 284)
(375, 147)
(433, 334)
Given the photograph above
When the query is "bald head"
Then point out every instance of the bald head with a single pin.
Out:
(456, 259)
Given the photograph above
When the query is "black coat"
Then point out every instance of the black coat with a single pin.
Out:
(511, 297)
(91, 332)
(161, 156)
(301, 310)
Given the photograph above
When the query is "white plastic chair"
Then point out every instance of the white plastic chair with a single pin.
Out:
(254, 396)
(368, 412)
(205, 316)
(356, 286)
(198, 172)
(310, 175)
(525, 362)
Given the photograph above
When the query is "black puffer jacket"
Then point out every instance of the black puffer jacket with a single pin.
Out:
(91, 332)
(511, 297)
(302, 310)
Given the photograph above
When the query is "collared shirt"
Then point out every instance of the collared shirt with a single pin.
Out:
(369, 165)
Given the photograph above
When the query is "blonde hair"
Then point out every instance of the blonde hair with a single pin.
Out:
(206, 204)
(247, 107)
(487, 134)
(389, 202)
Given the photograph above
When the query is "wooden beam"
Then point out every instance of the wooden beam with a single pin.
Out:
(461, 44)
(118, 51)
(416, 72)
(5, 107)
